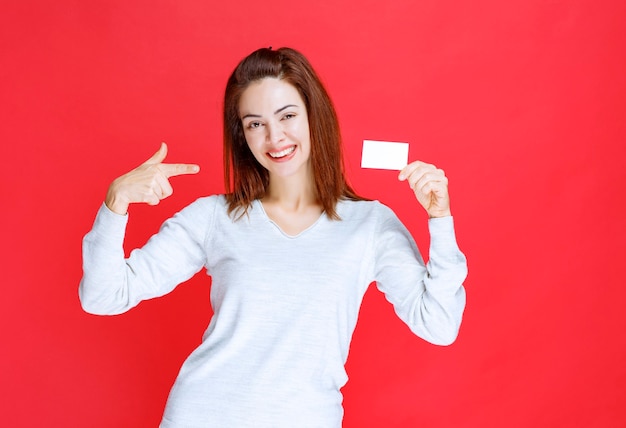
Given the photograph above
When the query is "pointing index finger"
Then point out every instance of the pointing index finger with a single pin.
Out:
(174, 169)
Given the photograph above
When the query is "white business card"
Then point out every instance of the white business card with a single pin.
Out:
(384, 155)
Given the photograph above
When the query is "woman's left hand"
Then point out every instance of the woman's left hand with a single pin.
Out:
(430, 186)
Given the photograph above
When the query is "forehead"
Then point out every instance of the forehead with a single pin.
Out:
(267, 95)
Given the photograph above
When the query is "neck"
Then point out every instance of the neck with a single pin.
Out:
(291, 193)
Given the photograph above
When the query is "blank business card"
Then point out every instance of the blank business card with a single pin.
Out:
(384, 155)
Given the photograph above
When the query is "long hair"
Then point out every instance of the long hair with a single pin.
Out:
(245, 179)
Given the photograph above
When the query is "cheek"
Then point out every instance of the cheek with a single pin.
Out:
(252, 141)
(301, 131)
(255, 148)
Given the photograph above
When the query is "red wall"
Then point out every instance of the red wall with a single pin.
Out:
(523, 103)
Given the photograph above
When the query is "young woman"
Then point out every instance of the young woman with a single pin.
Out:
(291, 249)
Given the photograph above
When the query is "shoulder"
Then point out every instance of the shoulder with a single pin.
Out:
(203, 208)
(207, 202)
(365, 211)
(351, 210)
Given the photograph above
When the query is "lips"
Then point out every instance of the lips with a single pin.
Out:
(282, 153)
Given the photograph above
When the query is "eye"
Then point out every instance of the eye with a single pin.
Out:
(289, 116)
(253, 125)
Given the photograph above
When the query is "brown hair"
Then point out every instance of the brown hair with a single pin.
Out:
(245, 179)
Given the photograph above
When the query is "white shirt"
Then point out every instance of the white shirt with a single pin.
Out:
(285, 307)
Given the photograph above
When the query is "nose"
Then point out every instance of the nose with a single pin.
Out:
(275, 132)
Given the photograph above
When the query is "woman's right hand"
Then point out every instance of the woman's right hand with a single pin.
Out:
(148, 183)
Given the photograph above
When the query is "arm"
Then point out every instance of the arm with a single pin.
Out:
(429, 299)
(111, 284)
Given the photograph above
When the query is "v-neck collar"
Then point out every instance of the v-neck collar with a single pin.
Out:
(266, 217)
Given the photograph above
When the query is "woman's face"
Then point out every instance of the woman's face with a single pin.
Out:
(276, 127)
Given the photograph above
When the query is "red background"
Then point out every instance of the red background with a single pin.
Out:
(523, 103)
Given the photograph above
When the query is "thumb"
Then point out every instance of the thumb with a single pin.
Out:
(158, 157)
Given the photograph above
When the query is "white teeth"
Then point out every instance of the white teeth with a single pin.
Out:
(283, 153)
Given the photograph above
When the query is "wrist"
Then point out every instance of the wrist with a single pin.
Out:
(115, 203)
(440, 214)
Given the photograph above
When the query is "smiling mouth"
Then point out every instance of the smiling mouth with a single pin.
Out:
(282, 153)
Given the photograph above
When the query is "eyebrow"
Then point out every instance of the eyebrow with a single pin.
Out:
(276, 112)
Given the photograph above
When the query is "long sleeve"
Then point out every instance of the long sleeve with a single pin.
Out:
(112, 284)
(430, 298)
